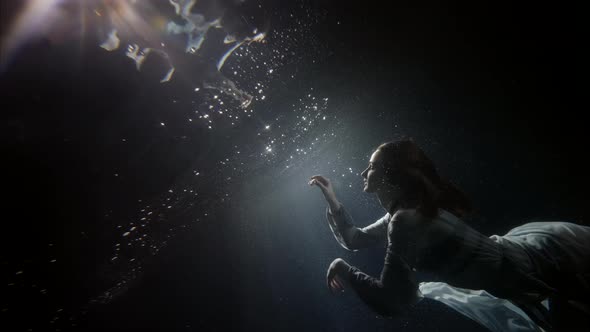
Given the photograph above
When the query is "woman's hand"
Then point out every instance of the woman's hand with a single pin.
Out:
(326, 186)
(334, 277)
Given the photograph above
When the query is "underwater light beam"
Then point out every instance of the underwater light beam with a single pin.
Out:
(37, 15)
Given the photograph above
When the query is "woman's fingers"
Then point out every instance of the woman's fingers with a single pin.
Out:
(338, 283)
(320, 179)
(330, 280)
(330, 285)
(317, 183)
(334, 286)
(321, 182)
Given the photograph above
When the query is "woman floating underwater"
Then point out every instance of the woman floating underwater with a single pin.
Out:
(493, 280)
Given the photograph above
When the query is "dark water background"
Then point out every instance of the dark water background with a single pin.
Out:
(493, 92)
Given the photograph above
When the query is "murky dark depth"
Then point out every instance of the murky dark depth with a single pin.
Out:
(156, 154)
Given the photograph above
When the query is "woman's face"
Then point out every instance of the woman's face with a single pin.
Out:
(374, 174)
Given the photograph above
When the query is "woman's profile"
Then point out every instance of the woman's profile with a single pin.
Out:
(423, 231)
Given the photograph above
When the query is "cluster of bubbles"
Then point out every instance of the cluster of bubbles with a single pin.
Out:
(262, 69)
(242, 84)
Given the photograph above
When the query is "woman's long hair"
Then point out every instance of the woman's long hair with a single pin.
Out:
(407, 166)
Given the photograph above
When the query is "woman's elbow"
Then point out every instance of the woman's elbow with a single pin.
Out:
(353, 239)
(348, 245)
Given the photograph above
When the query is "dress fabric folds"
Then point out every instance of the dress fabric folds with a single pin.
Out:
(502, 282)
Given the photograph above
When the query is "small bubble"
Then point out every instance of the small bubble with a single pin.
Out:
(126, 234)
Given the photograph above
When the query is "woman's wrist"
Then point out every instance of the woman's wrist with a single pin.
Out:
(341, 267)
(334, 206)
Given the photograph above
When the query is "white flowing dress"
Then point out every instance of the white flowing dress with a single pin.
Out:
(488, 279)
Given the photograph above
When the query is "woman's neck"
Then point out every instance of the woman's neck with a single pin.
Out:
(388, 200)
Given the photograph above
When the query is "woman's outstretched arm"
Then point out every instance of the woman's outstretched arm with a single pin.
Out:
(353, 238)
(349, 236)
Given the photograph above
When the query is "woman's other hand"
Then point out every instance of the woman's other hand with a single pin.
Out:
(327, 189)
(334, 277)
